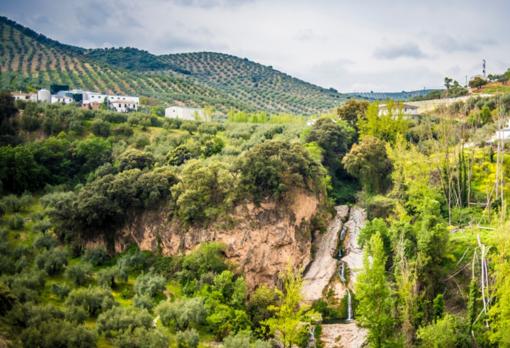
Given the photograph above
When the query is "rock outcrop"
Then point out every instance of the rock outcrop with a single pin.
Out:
(324, 265)
(262, 241)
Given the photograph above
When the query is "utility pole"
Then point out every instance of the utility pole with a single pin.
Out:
(484, 63)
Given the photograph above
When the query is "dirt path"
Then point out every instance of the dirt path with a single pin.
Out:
(324, 265)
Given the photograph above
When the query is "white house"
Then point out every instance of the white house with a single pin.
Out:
(185, 113)
(92, 98)
(43, 95)
(406, 109)
(121, 103)
(62, 99)
(25, 96)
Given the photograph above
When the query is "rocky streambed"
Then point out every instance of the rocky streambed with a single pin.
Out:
(337, 262)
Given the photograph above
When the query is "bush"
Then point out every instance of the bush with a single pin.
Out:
(134, 158)
(52, 261)
(16, 222)
(61, 290)
(15, 204)
(58, 333)
(150, 284)
(93, 300)
(272, 168)
(96, 256)
(110, 277)
(117, 320)
(143, 302)
(101, 128)
(141, 338)
(449, 331)
(187, 339)
(182, 314)
(45, 242)
(80, 274)
(76, 314)
(204, 192)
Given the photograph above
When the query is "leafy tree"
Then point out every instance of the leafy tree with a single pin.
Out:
(207, 258)
(80, 273)
(101, 128)
(93, 300)
(117, 320)
(291, 317)
(270, 169)
(352, 110)
(52, 261)
(204, 192)
(134, 158)
(369, 162)
(477, 82)
(187, 339)
(141, 338)
(150, 284)
(259, 303)
(374, 310)
(7, 106)
(335, 138)
(58, 333)
(449, 331)
(387, 126)
(182, 314)
(500, 311)
(244, 340)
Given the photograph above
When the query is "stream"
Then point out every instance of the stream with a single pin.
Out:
(337, 263)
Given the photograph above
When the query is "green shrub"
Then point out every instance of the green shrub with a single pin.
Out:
(80, 273)
(58, 333)
(182, 314)
(187, 339)
(52, 261)
(16, 222)
(141, 338)
(101, 128)
(96, 256)
(150, 284)
(45, 242)
(118, 319)
(93, 300)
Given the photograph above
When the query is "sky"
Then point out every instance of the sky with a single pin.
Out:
(353, 46)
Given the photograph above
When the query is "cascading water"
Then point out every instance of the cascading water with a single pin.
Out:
(342, 233)
(349, 306)
(341, 272)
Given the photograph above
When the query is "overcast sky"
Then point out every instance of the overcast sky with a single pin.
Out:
(358, 45)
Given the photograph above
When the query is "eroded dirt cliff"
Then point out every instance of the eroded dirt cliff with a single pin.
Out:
(262, 241)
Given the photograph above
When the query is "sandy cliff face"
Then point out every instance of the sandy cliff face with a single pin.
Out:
(262, 241)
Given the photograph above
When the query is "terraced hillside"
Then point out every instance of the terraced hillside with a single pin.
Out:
(253, 83)
(30, 60)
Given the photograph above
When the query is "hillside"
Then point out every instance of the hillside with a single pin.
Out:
(253, 83)
(31, 60)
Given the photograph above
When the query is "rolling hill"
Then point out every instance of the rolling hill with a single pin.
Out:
(31, 60)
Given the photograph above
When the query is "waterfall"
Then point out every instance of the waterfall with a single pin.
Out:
(341, 272)
(349, 305)
(342, 233)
